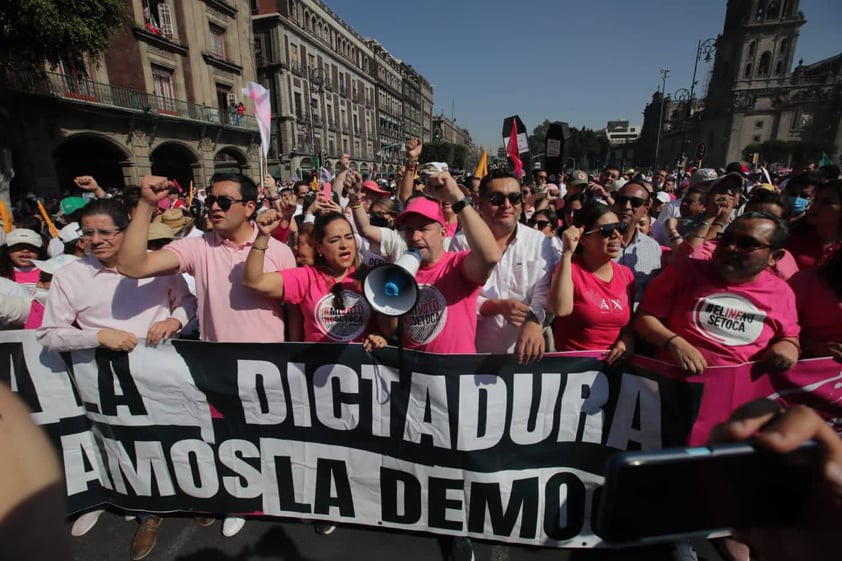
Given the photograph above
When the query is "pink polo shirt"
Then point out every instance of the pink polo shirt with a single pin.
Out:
(228, 311)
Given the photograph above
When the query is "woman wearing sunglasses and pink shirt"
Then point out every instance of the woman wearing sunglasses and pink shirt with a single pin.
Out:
(591, 295)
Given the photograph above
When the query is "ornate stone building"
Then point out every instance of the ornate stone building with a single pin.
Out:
(755, 96)
(160, 102)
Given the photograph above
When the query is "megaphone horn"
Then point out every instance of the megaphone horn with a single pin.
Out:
(391, 288)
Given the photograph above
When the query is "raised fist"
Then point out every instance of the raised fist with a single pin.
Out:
(413, 149)
(267, 221)
(154, 188)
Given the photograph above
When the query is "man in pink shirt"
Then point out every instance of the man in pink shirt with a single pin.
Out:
(228, 311)
(728, 309)
(444, 320)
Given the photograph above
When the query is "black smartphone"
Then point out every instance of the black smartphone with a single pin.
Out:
(680, 493)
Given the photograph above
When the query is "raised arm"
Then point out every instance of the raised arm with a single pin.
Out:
(485, 253)
(271, 284)
(560, 299)
(133, 260)
(341, 173)
(413, 153)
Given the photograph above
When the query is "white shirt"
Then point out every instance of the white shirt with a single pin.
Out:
(524, 274)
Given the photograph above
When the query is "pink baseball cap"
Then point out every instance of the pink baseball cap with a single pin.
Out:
(422, 206)
(373, 187)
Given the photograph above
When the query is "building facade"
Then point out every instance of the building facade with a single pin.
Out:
(622, 138)
(163, 101)
(387, 76)
(755, 95)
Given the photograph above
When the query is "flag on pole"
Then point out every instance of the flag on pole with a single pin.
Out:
(324, 175)
(482, 166)
(825, 161)
(262, 112)
(513, 152)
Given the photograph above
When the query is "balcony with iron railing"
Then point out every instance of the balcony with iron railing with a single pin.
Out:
(88, 92)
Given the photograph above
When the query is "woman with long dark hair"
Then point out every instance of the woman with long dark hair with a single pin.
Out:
(591, 295)
(327, 292)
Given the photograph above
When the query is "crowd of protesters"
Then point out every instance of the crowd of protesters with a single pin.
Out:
(703, 268)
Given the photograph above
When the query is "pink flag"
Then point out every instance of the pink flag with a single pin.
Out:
(262, 112)
(513, 152)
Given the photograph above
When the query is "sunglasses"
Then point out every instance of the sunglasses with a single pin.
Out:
(223, 201)
(607, 230)
(541, 224)
(497, 198)
(636, 202)
(338, 302)
(740, 245)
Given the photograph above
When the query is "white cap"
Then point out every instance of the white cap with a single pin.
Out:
(50, 266)
(24, 236)
(663, 196)
(70, 233)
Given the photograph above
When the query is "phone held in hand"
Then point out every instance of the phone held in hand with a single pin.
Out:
(327, 191)
(679, 493)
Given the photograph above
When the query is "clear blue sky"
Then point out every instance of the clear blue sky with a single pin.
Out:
(580, 61)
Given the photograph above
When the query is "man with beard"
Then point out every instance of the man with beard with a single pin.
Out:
(512, 301)
(639, 252)
(724, 309)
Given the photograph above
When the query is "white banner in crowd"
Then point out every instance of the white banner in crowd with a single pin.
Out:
(462, 445)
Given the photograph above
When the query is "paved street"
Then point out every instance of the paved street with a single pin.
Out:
(180, 539)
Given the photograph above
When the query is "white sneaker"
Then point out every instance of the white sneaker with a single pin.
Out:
(84, 523)
(232, 525)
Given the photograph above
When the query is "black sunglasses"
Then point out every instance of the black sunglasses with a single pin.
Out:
(223, 201)
(541, 224)
(497, 198)
(636, 202)
(741, 245)
(338, 302)
(607, 230)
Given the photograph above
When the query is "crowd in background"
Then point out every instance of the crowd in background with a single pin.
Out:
(702, 268)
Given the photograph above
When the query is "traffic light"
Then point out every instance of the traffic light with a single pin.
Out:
(437, 135)
(700, 151)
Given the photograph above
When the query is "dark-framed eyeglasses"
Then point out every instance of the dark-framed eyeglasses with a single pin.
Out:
(540, 224)
(740, 245)
(541, 176)
(636, 202)
(223, 201)
(607, 230)
(338, 302)
(104, 234)
(497, 198)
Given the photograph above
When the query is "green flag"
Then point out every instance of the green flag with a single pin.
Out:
(825, 161)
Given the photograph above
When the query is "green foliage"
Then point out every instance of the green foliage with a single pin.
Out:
(33, 32)
(585, 146)
(455, 155)
(781, 152)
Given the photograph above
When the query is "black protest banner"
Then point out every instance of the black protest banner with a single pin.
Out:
(475, 445)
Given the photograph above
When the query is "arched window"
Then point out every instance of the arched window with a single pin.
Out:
(784, 47)
(774, 9)
(747, 74)
(765, 63)
(779, 68)
(787, 11)
(752, 48)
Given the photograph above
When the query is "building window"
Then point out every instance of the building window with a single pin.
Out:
(162, 84)
(756, 138)
(784, 48)
(758, 124)
(747, 74)
(158, 19)
(216, 36)
(752, 48)
(779, 68)
(765, 63)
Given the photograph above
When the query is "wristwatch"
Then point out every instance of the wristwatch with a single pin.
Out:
(460, 205)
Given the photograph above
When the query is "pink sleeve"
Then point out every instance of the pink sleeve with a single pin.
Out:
(296, 281)
(660, 294)
(187, 251)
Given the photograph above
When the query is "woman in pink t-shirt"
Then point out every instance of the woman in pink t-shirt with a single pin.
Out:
(591, 295)
(329, 297)
(818, 298)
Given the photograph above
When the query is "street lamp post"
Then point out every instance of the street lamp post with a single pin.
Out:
(664, 72)
(703, 49)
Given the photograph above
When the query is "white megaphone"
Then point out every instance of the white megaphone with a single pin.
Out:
(391, 288)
